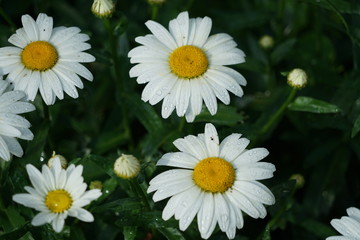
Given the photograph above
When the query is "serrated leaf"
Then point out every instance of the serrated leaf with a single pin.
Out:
(308, 104)
(356, 127)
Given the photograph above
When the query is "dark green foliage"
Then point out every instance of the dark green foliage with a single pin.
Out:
(313, 132)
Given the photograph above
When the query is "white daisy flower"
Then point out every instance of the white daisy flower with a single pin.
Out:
(46, 59)
(347, 226)
(12, 125)
(216, 182)
(57, 193)
(184, 66)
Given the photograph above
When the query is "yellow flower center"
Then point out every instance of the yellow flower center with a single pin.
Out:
(188, 61)
(214, 175)
(58, 201)
(39, 56)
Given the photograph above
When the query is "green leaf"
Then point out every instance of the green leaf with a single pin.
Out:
(308, 104)
(282, 50)
(110, 139)
(356, 127)
(144, 112)
(16, 234)
(77, 234)
(36, 146)
(172, 233)
(129, 233)
(15, 218)
(341, 5)
(266, 234)
(119, 205)
(226, 115)
(152, 142)
(28, 236)
(283, 193)
(317, 228)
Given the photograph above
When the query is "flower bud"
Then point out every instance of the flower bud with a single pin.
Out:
(62, 159)
(96, 185)
(266, 42)
(297, 78)
(126, 166)
(103, 8)
(300, 181)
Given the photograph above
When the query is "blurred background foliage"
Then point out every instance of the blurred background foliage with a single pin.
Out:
(312, 133)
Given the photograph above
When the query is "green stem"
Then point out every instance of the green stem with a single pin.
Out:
(113, 49)
(154, 11)
(118, 79)
(278, 216)
(275, 117)
(181, 124)
(48, 120)
(4, 171)
(140, 193)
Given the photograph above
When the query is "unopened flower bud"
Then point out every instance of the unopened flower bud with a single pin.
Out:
(266, 42)
(62, 159)
(297, 78)
(96, 185)
(300, 181)
(103, 8)
(126, 166)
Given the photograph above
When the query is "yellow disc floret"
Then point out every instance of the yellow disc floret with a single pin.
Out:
(58, 201)
(39, 56)
(214, 175)
(188, 62)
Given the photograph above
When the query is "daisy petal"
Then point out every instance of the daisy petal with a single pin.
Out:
(161, 34)
(191, 212)
(179, 28)
(178, 159)
(30, 27)
(82, 214)
(208, 96)
(58, 223)
(203, 27)
(211, 140)
(206, 214)
(42, 218)
(250, 156)
(45, 25)
(232, 146)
